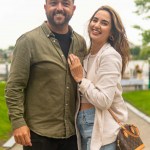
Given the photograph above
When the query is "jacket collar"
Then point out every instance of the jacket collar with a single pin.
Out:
(102, 49)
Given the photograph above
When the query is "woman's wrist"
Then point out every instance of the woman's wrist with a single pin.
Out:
(79, 82)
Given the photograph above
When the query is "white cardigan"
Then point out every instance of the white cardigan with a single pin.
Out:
(101, 86)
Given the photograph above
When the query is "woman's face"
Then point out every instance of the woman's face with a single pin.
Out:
(100, 27)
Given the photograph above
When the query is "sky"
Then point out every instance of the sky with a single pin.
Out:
(20, 16)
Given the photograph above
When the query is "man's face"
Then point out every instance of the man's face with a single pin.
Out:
(59, 12)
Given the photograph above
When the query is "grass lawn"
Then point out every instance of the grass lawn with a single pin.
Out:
(139, 99)
(5, 128)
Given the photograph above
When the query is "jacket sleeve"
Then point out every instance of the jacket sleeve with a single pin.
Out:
(17, 82)
(108, 73)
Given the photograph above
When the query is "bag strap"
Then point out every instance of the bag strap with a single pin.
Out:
(115, 117)
(122, 126)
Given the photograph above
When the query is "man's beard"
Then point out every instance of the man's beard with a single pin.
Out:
(53, 22)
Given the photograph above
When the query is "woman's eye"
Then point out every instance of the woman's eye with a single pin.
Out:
(104, 23)
(94, 20)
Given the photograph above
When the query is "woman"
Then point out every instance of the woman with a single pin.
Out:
(100, 86)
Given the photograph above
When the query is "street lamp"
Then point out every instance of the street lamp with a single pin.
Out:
(149, 73)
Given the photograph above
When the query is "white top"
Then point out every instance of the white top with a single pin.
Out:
(90, 62)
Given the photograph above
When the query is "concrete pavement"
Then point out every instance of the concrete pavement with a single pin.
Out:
(144, 128)
(134, 118)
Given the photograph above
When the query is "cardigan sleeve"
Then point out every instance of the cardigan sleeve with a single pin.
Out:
(107, 75)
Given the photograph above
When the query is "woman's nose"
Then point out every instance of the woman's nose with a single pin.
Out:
(97, 24)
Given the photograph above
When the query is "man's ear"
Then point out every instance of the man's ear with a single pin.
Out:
(45, 7)
(74, 7)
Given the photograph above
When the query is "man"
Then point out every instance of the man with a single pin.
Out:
(41, 93)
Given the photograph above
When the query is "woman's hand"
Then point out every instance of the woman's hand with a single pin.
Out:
(75, 67)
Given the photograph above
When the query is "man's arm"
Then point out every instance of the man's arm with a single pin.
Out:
(15, 87)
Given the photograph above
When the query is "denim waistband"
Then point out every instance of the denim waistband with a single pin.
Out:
(87, 111)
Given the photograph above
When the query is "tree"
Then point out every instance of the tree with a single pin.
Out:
(143, 8)
(11, 48)
(146, 37)
(135, 52)
(145, 53)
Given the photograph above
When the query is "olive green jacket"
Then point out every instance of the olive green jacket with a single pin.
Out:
(40, 90)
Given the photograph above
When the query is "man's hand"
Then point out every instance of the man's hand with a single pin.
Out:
(75, 67)
(22, 136)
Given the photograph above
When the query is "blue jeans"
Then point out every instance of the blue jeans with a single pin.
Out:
(85, 122)
(111, 146)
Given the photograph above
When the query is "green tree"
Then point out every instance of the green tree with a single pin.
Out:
(135, 52)
(146, 37)
(143, 8)
(145, 53)
(11, 48)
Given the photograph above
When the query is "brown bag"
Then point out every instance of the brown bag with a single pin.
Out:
(128, 137)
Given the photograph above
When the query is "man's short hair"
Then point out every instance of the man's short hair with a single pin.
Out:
(72, 0)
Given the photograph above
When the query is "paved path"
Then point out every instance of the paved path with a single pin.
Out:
(143, 126)
(17, 147)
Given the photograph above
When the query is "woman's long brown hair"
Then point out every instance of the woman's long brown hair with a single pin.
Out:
(119, 39)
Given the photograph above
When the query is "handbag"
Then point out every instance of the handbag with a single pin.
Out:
(128, 137)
